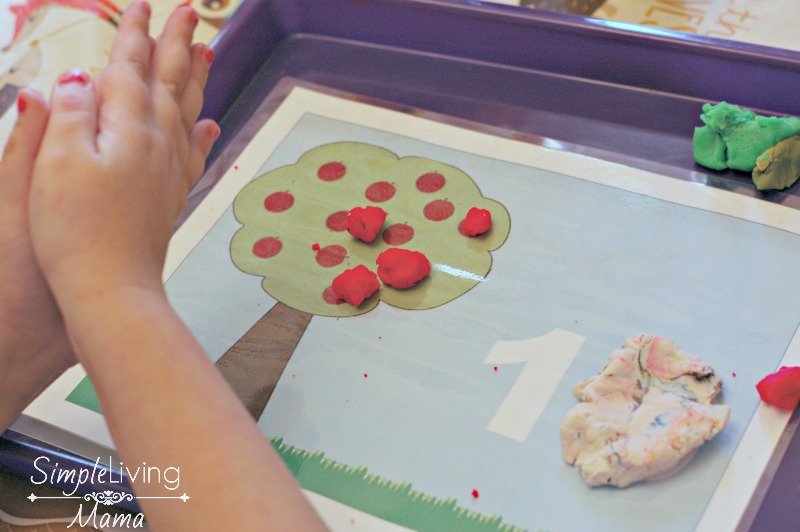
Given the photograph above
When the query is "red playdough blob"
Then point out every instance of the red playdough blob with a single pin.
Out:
(278, 201)
(365, 223)
(398, 234)
(331, 256)
(477, 222)
(402, 268)
(355, 285)
(782, 388)
(430, 182)
(267, 247)
(331, 171)
(380, 191)
(337, 221)
(438, 210)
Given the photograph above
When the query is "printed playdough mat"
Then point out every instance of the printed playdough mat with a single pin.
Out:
(439, 407)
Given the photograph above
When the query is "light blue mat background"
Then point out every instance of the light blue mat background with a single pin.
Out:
(591, 259)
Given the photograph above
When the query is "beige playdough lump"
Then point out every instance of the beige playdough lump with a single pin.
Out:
(644, 415)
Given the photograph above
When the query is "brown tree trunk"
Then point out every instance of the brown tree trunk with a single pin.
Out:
(253, 365)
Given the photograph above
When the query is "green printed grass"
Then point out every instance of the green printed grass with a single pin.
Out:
(392, 501)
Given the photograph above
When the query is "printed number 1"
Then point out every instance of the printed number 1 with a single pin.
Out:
(546, 359)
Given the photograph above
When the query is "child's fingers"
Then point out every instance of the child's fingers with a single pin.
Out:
(132, 46)
(171, 62)
(122, 85)
(21, 149)
(73, 115)
(201, 139)
(192, 99)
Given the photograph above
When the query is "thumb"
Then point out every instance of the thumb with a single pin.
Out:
(73, 113)
(23, 145)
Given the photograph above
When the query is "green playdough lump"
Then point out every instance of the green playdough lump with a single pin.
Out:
(734, 137)
(779, 166)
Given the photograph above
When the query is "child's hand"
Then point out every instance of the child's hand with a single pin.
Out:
(119, 157)
(33, 345)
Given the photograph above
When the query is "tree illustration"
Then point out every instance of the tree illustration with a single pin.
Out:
(294, 237)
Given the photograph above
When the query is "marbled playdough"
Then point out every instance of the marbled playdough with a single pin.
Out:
(779, 166)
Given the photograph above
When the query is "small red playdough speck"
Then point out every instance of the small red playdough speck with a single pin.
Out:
(365, 375)
(438, 210)
(733, 374)
(365, 223)
(477, 222)
(267, 247)
(430, 182)
(278, 201)
(315, 246)
(402, 268)
(475, 494)
(380, 191)
(235, 166)
(337, 221)
(782, 388)
(398, 234)
(331, 256)
(355, 285)
(494, 369)
(331, 171)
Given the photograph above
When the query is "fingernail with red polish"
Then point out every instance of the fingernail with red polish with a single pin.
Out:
(73, 76)
(21, 104)
(208, 53)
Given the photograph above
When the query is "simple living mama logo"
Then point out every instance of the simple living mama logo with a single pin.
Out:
(77, 483)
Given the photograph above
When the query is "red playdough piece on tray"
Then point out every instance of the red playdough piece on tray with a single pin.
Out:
(402, 268)
(477, 222)
(782, 388)
(365, 223)
(355, 285)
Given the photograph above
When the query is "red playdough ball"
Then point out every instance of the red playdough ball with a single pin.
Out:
(782, 388)
(365, 223)
(477, 222)
(355, 285)
(402, 268)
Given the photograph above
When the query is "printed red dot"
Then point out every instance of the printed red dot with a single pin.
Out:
(330, 297)
(475, 494)
(438, 210)
(331, 171)
(398, 234)
(380, 191)
(278, 201)
(494, 369)
(365, 375)
(733, 374)
(267, 247)
(235, 166)
(331, 256)
(337, 221)
(430, 182)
